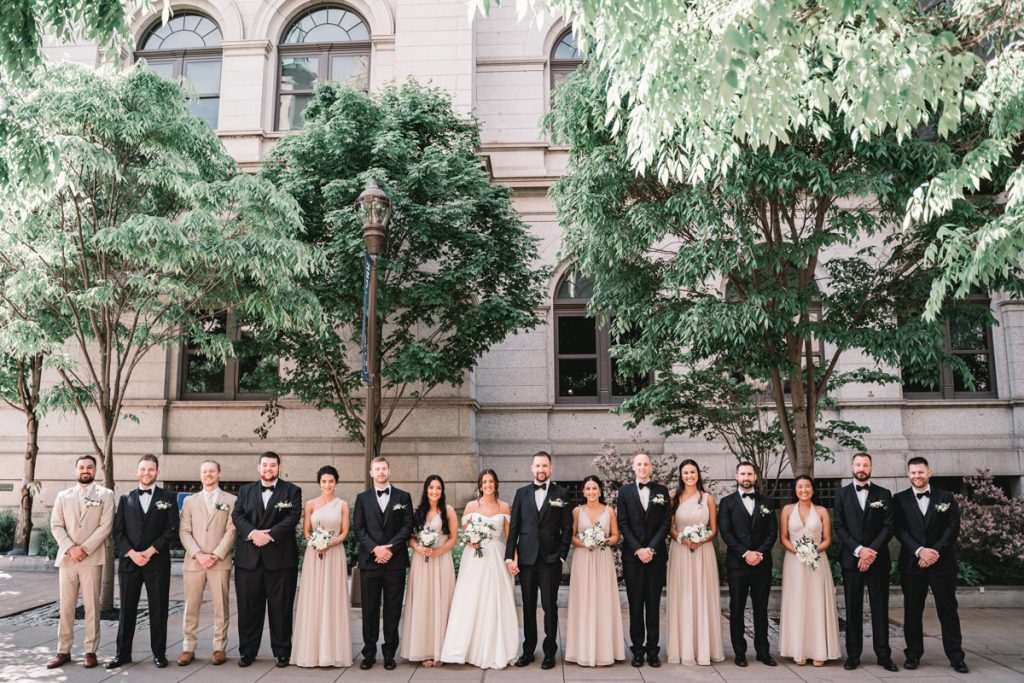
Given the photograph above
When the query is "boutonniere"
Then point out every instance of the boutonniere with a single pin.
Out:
(223, 507)
(942, 507)
(92, 503)
(284, 506)
(557, 503)
(765, 511)
(163, 505)
(878, 505)
(399, 506)
(658, 500)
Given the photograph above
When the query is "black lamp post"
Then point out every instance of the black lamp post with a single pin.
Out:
(375, 209)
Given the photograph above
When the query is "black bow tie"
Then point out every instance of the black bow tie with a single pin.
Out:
(865, 487)
(540, 487)
(926, 494)
(145, 492)
(642, 485)
(748, 495)
(382, 492)
(268, 488)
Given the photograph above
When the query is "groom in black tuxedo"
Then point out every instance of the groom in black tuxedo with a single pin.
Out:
(864, 519)
(266, 560)
(747, 524)
(928, 525)
(382, 523)
(644, 519)
(145, 524)
(539, 535)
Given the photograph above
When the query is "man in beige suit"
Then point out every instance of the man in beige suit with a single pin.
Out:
(207, 534)
(81, 522)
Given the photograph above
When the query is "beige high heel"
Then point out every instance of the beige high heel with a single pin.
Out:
(818, 662)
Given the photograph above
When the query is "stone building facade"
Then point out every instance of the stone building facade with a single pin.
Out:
(253, 63)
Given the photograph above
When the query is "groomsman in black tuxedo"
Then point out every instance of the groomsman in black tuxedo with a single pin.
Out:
(266, 560)
(539, 535)
(928, 524)
(382, 523)
(747, 524)
(145, 524)
(864, 519)
(645, 517)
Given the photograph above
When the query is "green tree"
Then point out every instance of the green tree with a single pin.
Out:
(456, 271)
(21, 388)
(772, 269)
(149, 232)
(692, 85)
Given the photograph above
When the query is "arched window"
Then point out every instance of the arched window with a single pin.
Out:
(188, 46)
(565, 59)
(585, 372)
(327, 44)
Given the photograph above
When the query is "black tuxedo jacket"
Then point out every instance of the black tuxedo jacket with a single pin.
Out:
(390, 527)
(936, 529)
(540, 535)
(742, 532)
(281, 516)
(643, 528)
(871, 527)
(138, 530)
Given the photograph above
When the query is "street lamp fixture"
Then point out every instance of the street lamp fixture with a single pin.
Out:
(374, 207)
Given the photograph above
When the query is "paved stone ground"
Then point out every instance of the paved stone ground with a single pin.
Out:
(994, 642)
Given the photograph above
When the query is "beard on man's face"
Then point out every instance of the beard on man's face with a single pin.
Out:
(85, 478)
(861, 476)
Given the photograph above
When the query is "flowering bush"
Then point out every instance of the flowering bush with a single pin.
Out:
(991, 539)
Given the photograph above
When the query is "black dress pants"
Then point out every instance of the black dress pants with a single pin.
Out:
(757, 583)
(265, 592)
(381, 587)
(876, 580)
(915, 590)
(546, 576)
(157, 579)
(644, 584)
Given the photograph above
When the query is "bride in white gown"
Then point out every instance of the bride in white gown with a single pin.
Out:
(483, 628)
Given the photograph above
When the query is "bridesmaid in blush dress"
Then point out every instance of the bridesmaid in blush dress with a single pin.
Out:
(809, 625)
(322, 636)
(694, 609)
(593, 635)
(428, 595)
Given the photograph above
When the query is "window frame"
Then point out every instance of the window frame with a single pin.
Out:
(561, 67)
(232, 372)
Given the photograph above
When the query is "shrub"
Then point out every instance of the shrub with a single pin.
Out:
(991, 540)
(48, 546)
(8, 522)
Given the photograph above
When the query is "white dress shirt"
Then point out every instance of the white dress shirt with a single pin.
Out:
(922, 503)
(146, 501)
(267, 494)
(862, 500)
(748, 502)
(210, 498)
(540, 494)
(645, 494)
(383, 501)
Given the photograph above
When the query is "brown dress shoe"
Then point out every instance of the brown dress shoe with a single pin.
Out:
(186, 658)
(61, 659)
(219, 657)
(90, 661)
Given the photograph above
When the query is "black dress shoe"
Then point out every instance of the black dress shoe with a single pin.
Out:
(118, 661)
(889, 665)
(960, 667)
(160, 662)
(653, 661)
(741, 660)
(851, 663)
(367, 663)
(389, 663)
(524, 660)
(638, 660)
(912, 663)
(282, 662)
(246, 660)
(767, 660)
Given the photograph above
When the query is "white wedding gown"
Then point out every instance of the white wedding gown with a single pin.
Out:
(483, 628)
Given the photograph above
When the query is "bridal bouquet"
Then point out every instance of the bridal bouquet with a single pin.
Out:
(320, 540)
(477, 533)
(593, 538)
(807, 552)
(427, 538)
(695, 533)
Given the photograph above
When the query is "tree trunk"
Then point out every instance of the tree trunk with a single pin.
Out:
(803, 463)
(30, 392)
(107, 610)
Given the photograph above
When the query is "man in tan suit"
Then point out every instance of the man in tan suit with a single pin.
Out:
(81, 522)
(207, 534)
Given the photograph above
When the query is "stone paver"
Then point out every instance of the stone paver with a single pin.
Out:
(993, 641)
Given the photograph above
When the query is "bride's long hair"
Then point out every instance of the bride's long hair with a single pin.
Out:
(419, 517)
(480, 484)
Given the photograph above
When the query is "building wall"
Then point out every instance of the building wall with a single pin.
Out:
(497, 68)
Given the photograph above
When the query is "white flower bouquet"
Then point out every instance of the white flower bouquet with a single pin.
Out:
(478, 532)
(593, 538)
(320, 540)
(695, 533)
(807, 552)
(428, 538)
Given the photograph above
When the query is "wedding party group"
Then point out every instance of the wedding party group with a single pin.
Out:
(411, 596)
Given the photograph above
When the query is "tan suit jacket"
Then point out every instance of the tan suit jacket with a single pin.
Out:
(77, 522)
(202, 532)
